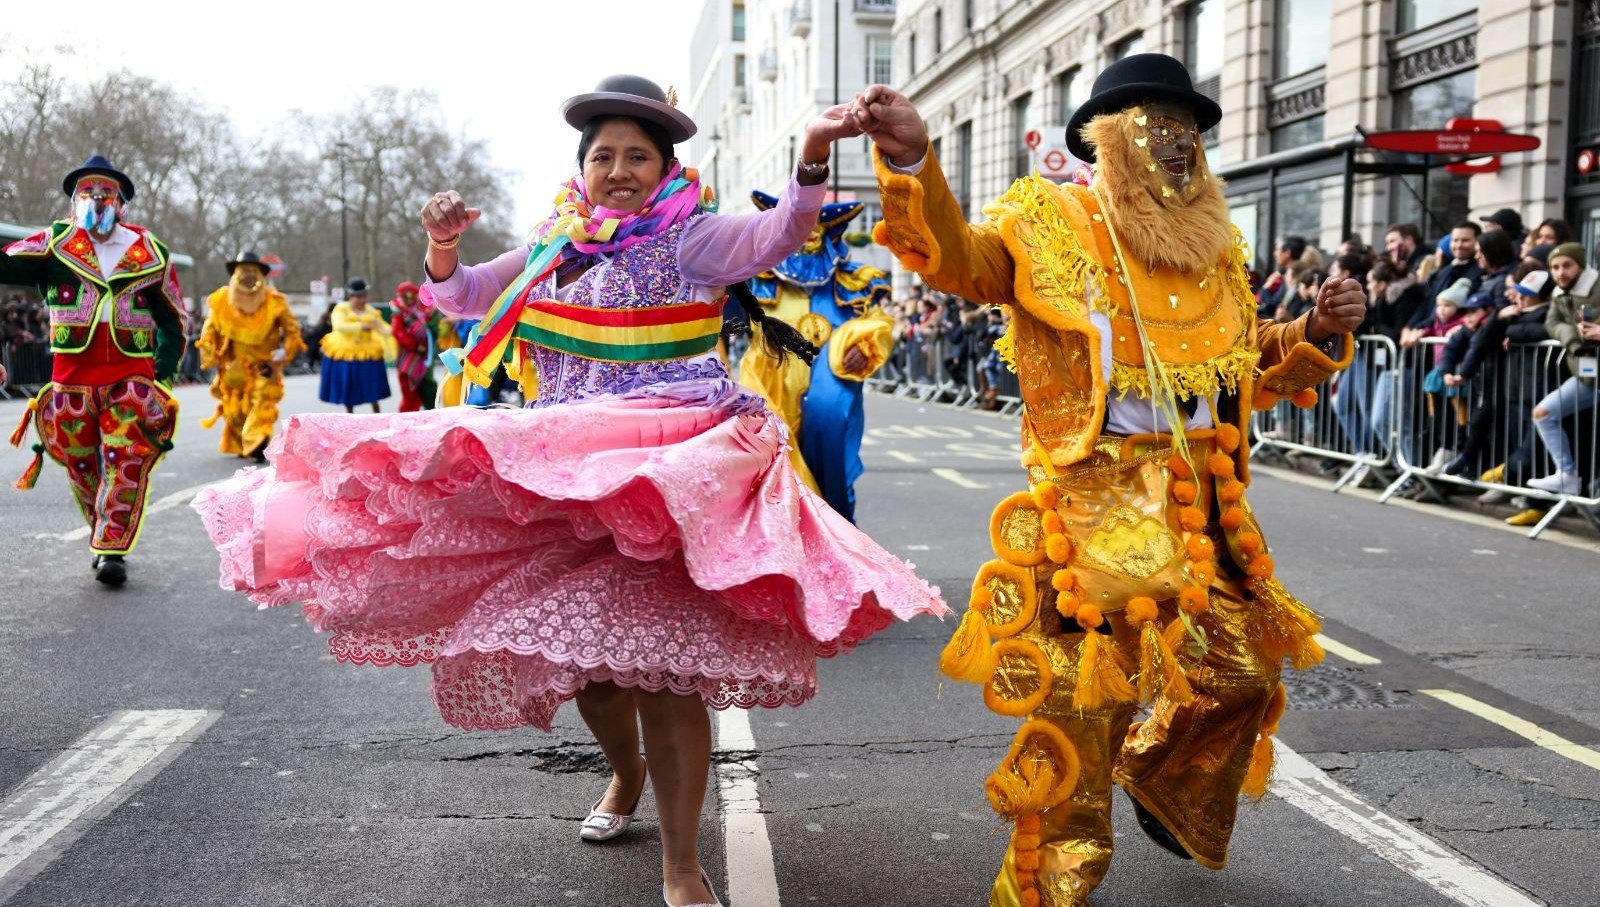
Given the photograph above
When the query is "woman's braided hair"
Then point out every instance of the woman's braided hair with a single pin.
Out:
(777, 337)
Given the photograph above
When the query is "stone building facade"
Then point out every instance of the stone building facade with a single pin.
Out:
(1299, 82)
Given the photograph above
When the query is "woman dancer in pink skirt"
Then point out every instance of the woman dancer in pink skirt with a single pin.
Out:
(636, 538)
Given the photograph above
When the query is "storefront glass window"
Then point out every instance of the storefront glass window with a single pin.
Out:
(1293, 135)
(1415, 14)
(1429, 106)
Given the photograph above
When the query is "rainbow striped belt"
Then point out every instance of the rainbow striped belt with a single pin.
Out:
(621, 335)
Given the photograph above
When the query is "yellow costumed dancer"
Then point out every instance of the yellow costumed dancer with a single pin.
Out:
(1132, 571)
(248, 336)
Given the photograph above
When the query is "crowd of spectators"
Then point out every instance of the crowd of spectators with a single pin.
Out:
(946, 340)
(1463, 311)
(24, 332)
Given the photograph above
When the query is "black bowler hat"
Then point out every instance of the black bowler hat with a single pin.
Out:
(248, 257)
(631, 96)
(1139, 79)
(356, 285)
(97, 163)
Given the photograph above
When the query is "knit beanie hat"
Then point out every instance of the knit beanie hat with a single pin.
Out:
(1456, 295)
(1573, 251)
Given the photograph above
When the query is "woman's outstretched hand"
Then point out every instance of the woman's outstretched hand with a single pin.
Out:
(446, 216)
(885, 116)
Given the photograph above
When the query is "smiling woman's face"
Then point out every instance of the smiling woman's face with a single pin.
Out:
(621, 167)
(1172, 140)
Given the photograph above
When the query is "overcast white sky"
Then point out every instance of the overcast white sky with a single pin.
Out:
(500, 69)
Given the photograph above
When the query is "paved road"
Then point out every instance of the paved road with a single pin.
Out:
(272, 775)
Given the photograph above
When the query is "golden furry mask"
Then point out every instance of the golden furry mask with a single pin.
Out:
(1186, 228)
(247, 289)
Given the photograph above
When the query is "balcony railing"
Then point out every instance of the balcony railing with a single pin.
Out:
(875, 7)
(800, 18)
(767, 66)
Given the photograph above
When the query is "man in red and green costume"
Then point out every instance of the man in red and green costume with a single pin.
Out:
(117, 335)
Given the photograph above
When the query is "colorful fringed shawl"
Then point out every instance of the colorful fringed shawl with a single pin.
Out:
(577, 233)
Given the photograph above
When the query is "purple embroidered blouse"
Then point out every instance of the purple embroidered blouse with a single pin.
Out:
(691, 262)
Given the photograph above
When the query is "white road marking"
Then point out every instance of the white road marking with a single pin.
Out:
(1375, 550)
(50, 810)
(1338, 648)
(752, 878)
(177, 498)
(950, 475)
(902, 457)
(1555, 743)
(1310, 789)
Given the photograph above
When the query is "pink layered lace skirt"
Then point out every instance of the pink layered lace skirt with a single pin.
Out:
(659, 540)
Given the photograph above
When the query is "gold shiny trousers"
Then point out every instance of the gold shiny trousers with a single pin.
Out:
(248, 392)
(1185, 763)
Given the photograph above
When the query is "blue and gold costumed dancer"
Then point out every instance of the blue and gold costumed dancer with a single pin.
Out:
(836, 303)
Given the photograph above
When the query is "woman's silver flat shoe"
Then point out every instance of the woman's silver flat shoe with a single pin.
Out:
(715, 901)
(602, 826)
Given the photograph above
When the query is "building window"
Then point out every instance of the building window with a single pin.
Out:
(1021, 122)
(1302, 132)
(880, 60)
(1127, 47)
(938, 32)
(1429, 106)
(963, 185)
(738, 70)
(738, 22)
(1300, 37)
(1072, 89)
(1415, 14)
(966, 13)
(1203, 38)
(911, 55)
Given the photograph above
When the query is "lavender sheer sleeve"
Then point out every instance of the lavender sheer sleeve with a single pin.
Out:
(472, 289)
(727, 248)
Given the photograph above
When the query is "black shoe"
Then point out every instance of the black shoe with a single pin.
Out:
(259, 453)
(110, 569)
(1156, 831)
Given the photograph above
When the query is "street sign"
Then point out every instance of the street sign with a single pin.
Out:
(1055, 160)
(275, 266)
(1451, 141)
(1032, 139)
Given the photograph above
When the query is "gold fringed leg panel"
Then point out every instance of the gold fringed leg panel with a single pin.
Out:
(1187, 763)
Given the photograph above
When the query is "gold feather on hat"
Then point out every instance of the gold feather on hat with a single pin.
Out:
(672, 96)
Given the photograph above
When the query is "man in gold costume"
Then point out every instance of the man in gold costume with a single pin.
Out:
(1132, 572)
(248, 336)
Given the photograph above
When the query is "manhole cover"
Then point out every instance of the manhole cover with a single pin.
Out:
(1331, 687)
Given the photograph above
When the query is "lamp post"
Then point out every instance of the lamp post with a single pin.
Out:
(716, 152)
(343, 147)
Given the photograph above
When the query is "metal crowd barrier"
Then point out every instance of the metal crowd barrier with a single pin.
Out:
(1353, 424)
(27, 368)
(1485, 430)
(1382, 417)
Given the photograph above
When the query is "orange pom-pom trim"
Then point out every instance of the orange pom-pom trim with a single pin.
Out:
(1028, 860)
(1264, 399)
(1204, 572)
(1261, 567)
(1221, 465)
(1194, 600)
(1067, 605)
(1185, 492)
(1141, 610)
(1058, 548)
(1231, 492)
(1063, 581)
(1025, 841)
(1089, 617)
(1046, 495)
(1028, 825)
(1251, 544)
(1052, 523)
(1029, 896)
(1192, 519)
(1228, 438)
(1180, 467)
(1232, 518)
(1305, 399)
(1199, 548)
